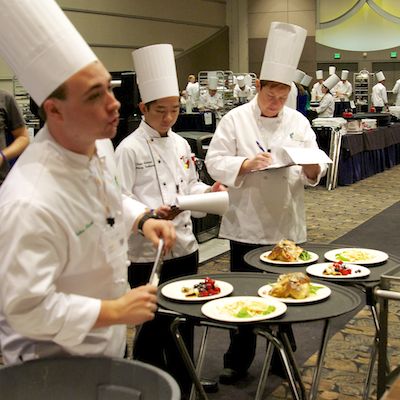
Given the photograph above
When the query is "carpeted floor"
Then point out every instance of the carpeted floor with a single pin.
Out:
(364, 214)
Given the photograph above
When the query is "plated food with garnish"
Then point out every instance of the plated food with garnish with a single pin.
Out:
(338, 270)
(197, 289)
(243, 309)
(295, 288)
(357, 256)
(287, 252)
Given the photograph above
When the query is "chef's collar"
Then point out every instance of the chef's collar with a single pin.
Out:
(78, 160)
(152, 133)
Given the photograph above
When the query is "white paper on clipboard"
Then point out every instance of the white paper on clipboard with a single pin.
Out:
(155, 273)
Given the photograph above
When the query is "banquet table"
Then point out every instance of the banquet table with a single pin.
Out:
(368, 153)
(197, 121)
(366, 284)
(341, 301)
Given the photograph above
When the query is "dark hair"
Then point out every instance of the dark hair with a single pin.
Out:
(60, 93)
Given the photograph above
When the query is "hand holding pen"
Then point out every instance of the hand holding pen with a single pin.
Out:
(259, 162)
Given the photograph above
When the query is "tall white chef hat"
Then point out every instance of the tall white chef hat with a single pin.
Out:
(240, 80)
(331, 81)
(298, 76)
(332, 69)
(212, 82)
(319, 74)
(156, 72)
(282, 52)
(345, 74)
(306, 80)
(41, 45)
(379, 76)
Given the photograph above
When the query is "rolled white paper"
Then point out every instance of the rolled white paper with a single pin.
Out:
(211, 203)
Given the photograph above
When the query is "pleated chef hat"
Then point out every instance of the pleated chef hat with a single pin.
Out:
(298, 76)
(282, 52)
(240, 80)
(212, 82)
(156, 72)
(319, 74)
(306, 80)
(379, 76)
(332, 69)
(345, 74)
(41, 45)
(331, 81)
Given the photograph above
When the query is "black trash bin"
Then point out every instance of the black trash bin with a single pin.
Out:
(81, 378)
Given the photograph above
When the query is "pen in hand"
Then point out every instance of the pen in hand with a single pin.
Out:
(262, 148)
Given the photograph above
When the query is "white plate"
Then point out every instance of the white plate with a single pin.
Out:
(321, 293)
(264, 257)
(173, 290)
(318, 270)
(215, 309)
(377, 256)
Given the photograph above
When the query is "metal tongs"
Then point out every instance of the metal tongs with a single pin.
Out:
(154, 280)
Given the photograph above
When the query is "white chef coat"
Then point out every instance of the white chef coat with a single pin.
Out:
(396, 91)
(326, 107)
(208, 102)
(264, 206)
(193, 92)
(345, 88)
(242, 92)
(379, 95)
(316, 92)
(59, 256)
(155, 170)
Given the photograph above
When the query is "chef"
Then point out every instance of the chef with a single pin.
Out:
(316, 91)
(396, 91)
(211, 100)
(156, 165)
(326, 107)
(65, 224)
(241, 91)
(343, 89)
(379, 94)
(265, 205)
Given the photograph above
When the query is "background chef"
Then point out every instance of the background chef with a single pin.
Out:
(326, 107)
(265, 205)
(156, 165)
(64, 277)
(379, 94)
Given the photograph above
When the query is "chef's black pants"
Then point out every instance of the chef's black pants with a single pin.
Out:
(242, 348)
(155, 344)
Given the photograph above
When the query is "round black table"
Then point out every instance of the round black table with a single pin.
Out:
(366, 284)
(341, 301)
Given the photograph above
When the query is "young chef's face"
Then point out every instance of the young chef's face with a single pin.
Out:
(161, 114)
(90, 110)
(272, 97)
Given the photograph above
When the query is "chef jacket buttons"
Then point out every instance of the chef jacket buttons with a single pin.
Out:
(164, 184)
(159, 161)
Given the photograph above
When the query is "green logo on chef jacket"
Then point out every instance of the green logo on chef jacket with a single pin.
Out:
(291, 135)
(85, 228)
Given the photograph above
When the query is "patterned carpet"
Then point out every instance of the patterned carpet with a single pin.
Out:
(331, 214)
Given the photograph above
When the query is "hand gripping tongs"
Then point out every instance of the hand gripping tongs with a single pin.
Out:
(154, 280)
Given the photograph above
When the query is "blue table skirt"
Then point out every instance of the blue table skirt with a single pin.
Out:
(366, 163)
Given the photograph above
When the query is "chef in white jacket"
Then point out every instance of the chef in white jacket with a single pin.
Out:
(326, 107)
(156, 165)
(211, 100)
(241, 91)
(379, 95)
(65, 224)
(396, 91)
(343, 89)
(316, 91)
(265, 205)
